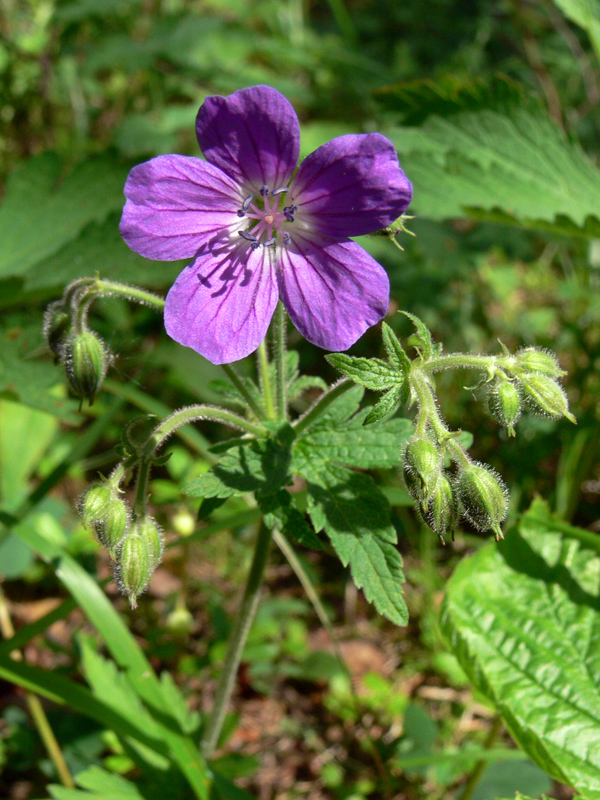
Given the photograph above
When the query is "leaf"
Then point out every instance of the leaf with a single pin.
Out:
(102, 785)
(259, 466)
(586, 14)
(303, 384)
(342, 408)
(506, 777)
(389, 403)
(522, 617)
(395, 351)
(57, 209)
(373, 373)
(520, 165)
(356, 444)
(418, 99)
(279, 511)
(356, 517)
(424, 342)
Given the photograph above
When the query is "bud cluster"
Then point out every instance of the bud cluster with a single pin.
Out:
(134, 541)
(83, 354)
(470, 490)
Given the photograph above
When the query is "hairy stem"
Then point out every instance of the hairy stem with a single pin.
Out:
(258, 411)
(279, 338)
(237, 640)
(195, 413)
(265, 379)
(318, 409)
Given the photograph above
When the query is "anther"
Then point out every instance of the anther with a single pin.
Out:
(289, 212)
(280, 190)
(287, 239)
(249, 238)
(264, 190)
(271, 242)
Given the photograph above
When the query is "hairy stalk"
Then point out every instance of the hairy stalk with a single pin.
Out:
(40, 720)
(265, 379)
(258, 411)
(194, 414)
(237, 640)
(318, 409)
(429, 413)
(279, 339)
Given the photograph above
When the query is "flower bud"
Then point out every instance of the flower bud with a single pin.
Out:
(86, 361)
(57, 323)
(180, 621)
(95, 503)
(533, 360)
(483, 497)
(441, 511)
(422, 466)
(505, 404)
(113, 527)
(546, 396)
(138, 556)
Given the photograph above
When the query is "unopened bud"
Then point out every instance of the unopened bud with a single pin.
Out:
(180, 621)
(95, 503)
(86, 361)
(152, 535)
(483, 497)
(543, 361)
(114, 526)
(505, 404)
(546, 395)
(440, 512)
(57, 323)
(138, 557)
(422, 466)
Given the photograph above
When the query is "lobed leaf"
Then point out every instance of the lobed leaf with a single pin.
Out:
(373, 373)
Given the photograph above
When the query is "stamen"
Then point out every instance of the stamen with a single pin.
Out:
(245, 206)
(271, 242)
(250, 238)
(287, 239)
(264, 190)
(280, 190)
(289, 212)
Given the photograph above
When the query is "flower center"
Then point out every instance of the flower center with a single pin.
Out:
(270, 222)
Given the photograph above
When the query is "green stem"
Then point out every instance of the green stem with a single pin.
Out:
(258, 410)
(237, 640)
(318, 409)
(279, 337)
(477, 772)
(141, 488)
(133, 293)
(265, 379)
(193, 414)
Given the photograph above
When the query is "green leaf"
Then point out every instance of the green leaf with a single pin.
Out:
(356, 517)
(373, 373)
(506, 777)
(522, 617)
(260, 466)
(418, 99)
(279, 511)
(57, 208)
(424, 342)
(586, 14)
(388, 404)
(303, 384)
(101, 785)
(521, 165)
(357, 445)
(394, 349)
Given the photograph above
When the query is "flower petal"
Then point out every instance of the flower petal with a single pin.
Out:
(173, 202)
(253, 135)
(333, 291)
(222, 303)
(350, 186)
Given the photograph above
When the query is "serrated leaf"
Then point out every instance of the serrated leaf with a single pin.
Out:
(394, 349)
(423, 335)
(373, 373)
(356, 517)
(260, 466)
(389, 403)
(279, 511)
(522, 617)
(303, 384)
(57, 209)
(354, 444)
(520, 164)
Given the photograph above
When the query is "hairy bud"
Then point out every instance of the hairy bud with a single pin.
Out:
(441, 510)
(543, 361)
(545, 395)
(114, 526)
(138, 557)
(95, 503)
(57, 324)
(483, 497)
(422, 467)
(504, 402)
(86, 360)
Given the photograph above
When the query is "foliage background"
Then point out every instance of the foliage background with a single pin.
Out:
(491, 105)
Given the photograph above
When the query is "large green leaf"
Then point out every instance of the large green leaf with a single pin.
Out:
(41, 211)
(523, 619)
(518, 168)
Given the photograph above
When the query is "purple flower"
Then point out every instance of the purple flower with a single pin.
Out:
(258, 232)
